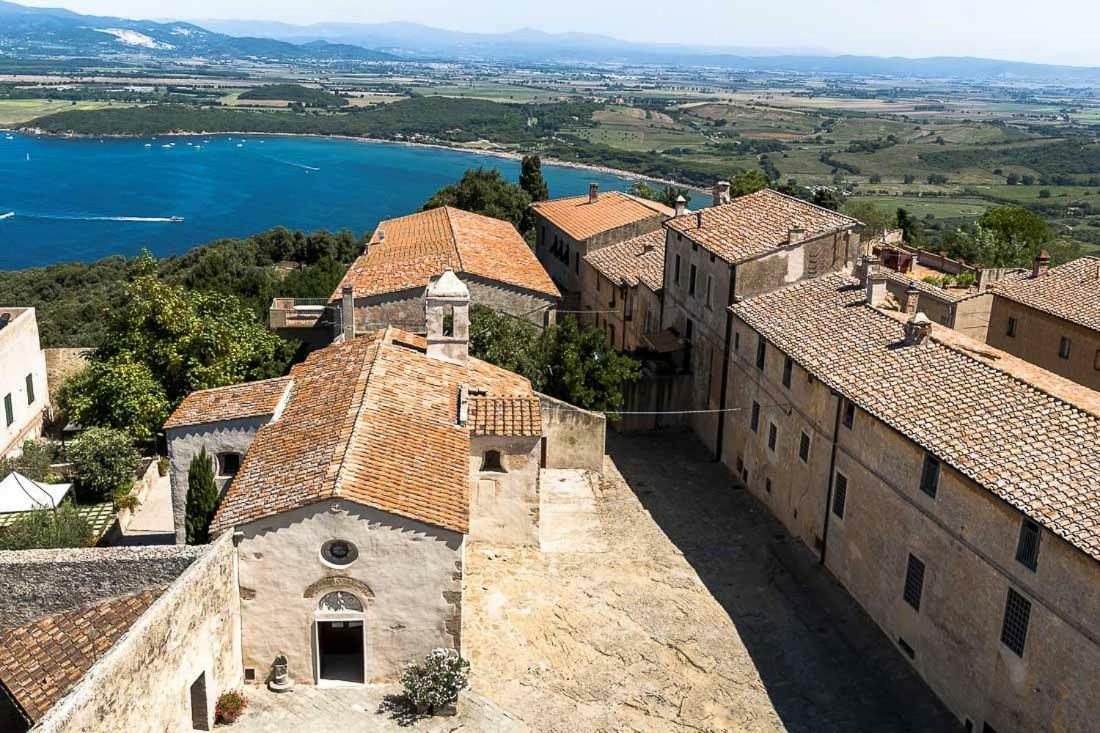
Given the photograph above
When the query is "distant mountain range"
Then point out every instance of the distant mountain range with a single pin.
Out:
(26, 31)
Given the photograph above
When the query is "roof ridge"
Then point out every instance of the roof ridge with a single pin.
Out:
(240, 384)
(807, 203)
(376, 347)
(454, 240)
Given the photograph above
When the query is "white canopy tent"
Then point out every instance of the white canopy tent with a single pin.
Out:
(20, 494)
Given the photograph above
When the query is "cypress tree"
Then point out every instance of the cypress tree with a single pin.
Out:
(202, 499)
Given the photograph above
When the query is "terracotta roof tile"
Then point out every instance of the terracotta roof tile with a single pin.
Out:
(373, 420)
(641, 259)
(581, 219)
(237, 401)
(407, 252)
(41, 662)
(505, 416)
(1028, 436)
(753, 225)
(1070, 292)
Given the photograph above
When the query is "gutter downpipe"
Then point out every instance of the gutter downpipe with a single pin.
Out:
(832, 477)
(725, 365)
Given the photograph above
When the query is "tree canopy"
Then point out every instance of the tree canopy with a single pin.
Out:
(875, 220)
(47, 529)
(484, 192)
(748, 182)
(104, 461)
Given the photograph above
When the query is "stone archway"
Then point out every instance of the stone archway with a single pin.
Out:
(338, 582)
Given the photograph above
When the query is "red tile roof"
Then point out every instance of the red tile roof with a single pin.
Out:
(373, 420)
(641, 259)
(1027, 436)
(235, 402)
(506, 416)
(407, 252)
(41, 662)
(1070, 292)
(580, 218)
(753, 225)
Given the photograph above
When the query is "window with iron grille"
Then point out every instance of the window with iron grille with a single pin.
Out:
(914, 582)
(840, 494)
(849, 414)
(761, 352)
(930, 475)
(754, 419)
(1063, 348)
(788, 367)
(1014, 628)
(804, 447)
(773, 435)
(1011, 330)
(1027, 549)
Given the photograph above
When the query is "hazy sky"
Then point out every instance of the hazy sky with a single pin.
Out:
(1055, 31)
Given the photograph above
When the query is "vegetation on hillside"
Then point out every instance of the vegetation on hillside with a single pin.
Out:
(297, 93)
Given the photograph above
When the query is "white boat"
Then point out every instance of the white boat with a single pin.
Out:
(166, 146)
(10, 137)
(8, 215)
(148, 145)
(176, 219)
(240, 145)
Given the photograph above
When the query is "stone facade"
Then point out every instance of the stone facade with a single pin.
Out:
(565, 270)
(965, 537)
(24, 393)
(227, 437)
(1038, 338)
(504, 502)
(623, 313)
(408, 576)
(572, 437)
(144, 683)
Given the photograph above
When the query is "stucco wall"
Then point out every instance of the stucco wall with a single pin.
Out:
(231, 436)
(621, 318)
(143, 683)
(574, 437)
(807, 259)
(504, 505)
(972, 316)
(566, 271)
(20, 356)
(1038, 336)
(413, 570)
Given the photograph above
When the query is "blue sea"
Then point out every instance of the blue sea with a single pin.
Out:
(79, 200)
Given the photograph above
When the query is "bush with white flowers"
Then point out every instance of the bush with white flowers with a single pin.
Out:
(435, 684)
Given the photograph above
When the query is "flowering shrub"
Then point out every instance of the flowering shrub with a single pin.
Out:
(230, 705)
(435, 684)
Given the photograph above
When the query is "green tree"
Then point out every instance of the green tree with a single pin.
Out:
(202, 499)
(748, 182)
(910, 227)
(509, 342)
(531, 180)
(666, 196)
(47, 529)
(583, 370)
(103, 461)
(34, 461)
(118, 393)
(484, 192)
(827, 199)
(1014, 222)
(875, 220)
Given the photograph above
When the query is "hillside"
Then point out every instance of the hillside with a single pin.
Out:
(294, 93)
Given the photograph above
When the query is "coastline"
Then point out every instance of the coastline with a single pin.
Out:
(503, 154)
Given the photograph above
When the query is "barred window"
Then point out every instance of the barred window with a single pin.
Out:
(840, 494)
(804, 448)
(1027, 549)
(930, 475)
(773, 436)
(1014, 628)
(914, 582)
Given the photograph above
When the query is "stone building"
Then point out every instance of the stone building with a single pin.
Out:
(568, 229)
(621, 289)
(376, 458)
(24, 394)
(717, 256)
(1051, 318)
(947, 485)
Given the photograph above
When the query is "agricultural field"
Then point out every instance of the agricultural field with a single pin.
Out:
(19, 111)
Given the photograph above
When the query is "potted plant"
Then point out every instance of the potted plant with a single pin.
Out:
(230, 705)
(433, 686)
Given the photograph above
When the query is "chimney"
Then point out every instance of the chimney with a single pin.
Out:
(865, 264)
(721, 193)
(593, 192)
(917, 329)
(795, 235)
(1041, 264)
(447, 319)
(347, 312)
(874, 282)
(681, 205)
(912, 296)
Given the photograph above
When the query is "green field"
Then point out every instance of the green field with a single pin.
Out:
(19, 111)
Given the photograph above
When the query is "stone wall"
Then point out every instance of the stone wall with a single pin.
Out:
(144, 682)
(566, 273)
(504, 505)
(408, 576)
(574, 438)
(230, 436)
(1038, 338)
(41, 583)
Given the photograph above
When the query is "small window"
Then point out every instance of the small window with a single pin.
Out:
(229, 464)
(804, 447)
(930, 475)
(768, 485)
(611, 331)
(339, 552)
(1011, 330)
(849, 416)
(754, 419)
(676, 272)
(1096, 361)
(614, 292)
(788, 367)
(737, 345)
(773, 436)
(691, 281)
(710, 285)
(491, 461)
(1014, 628)
(598, 281)
(30, 389)
(577, 263)
(914, 582)
(1063, 348)
(1027, 549)
(9, 411)
(761, 352)
(840, 494)
(448, 320)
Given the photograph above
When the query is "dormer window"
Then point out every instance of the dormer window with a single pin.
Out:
(491, 462)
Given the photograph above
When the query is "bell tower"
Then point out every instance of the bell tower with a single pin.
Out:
(447, 318)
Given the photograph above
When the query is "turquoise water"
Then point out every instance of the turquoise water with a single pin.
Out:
(80, 200)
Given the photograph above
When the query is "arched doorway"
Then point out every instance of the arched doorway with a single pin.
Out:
(339, 639)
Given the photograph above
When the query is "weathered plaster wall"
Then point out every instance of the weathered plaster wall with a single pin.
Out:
(39, 583)
(1038, 337)
(231, 436)
(836, 252)
(574, 437)
(504, 506)
(413, 570)
(938, 309)
(620, 313)
(20, 356)
(565, 270)
(972, 316)
(143, 683)
(405, 309)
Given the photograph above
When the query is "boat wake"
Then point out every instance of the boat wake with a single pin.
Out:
(64, 217)
(291, 163)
